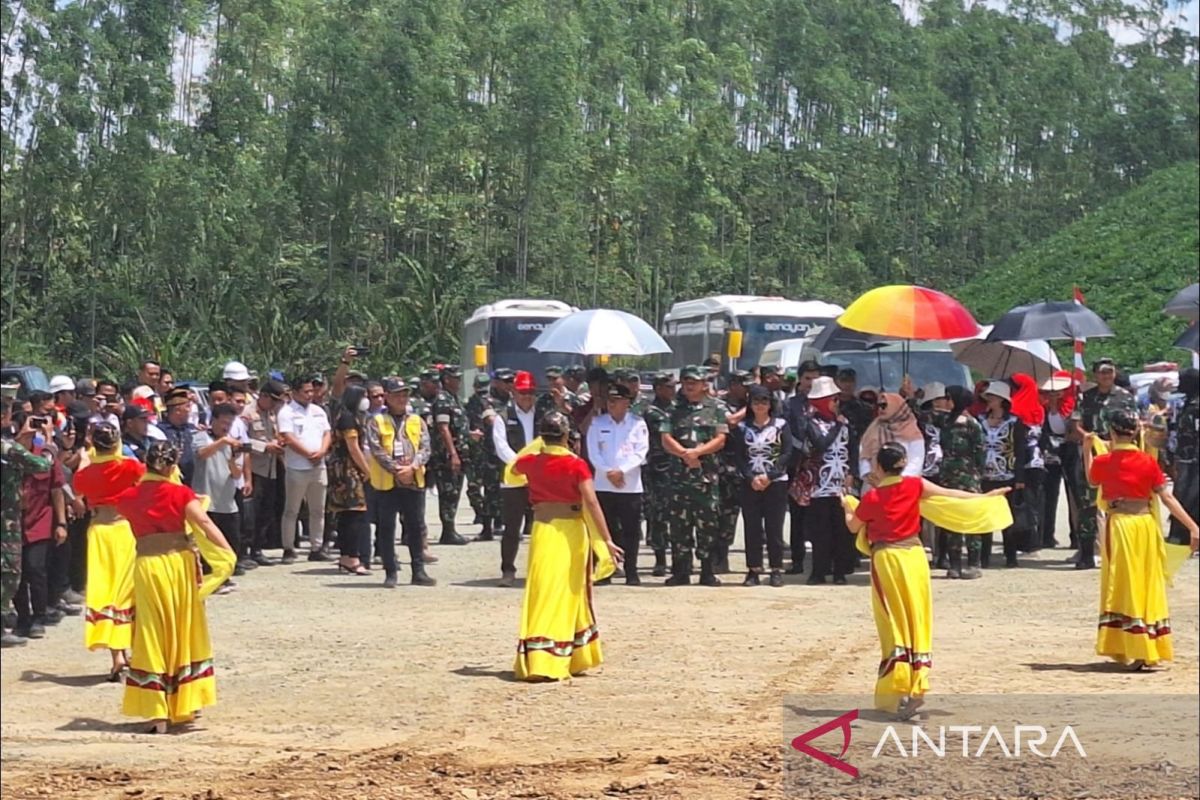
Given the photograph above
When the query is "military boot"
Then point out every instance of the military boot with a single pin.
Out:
(681, 571)
(954, 560)
(1087, 554)
(720, 559)
(707, 576)
(660, 563)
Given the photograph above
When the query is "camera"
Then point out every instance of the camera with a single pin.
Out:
(361, 350)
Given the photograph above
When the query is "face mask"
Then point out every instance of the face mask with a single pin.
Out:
(364, 405)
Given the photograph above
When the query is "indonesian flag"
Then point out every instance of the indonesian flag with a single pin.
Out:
(1080, 373)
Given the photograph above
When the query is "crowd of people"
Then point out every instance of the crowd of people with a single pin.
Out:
(267, 465)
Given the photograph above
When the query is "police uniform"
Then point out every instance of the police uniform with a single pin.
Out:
(1095, 410)
(695, 493)
(480, 403)
(656, 481)
(448, 411)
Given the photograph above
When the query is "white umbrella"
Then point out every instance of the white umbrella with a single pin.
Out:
(1002, 359)
(600, 331)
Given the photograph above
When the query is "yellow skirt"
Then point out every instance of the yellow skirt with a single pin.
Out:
(171, 669)
(558, 635)
(1134, 622)
(903, 608)
(108, 620)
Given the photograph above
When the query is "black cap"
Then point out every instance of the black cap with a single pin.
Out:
(664, 379)
(452, 371)
(757, 390)
(274, 389)
(134, 411)
(554, 371)
(504, 374)
(741, 376)
(85, 387)
(393, 385)
(619, 391)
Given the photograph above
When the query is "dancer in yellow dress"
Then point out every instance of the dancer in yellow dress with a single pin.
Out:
(108, 621)
(559, 637)
(900, 590)
(170, 675)
(1135, 625)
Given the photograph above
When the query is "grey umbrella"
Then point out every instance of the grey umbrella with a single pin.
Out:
(1186, 303)
(1190, 339)
(1050, 320)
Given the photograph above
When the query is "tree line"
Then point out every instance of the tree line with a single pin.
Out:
(269, 178)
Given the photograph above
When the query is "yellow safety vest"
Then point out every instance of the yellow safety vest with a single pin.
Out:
(381, 479)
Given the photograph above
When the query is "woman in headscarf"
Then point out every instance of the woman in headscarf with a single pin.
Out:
(349, 472)
(1135, 624)
(900, 598)
(821, 481)
(961, 468)
(1027, 407)
(170, 676)
(1004, 445)
(108, 623)
(1185, 450)
(896, 422)
(558, 634)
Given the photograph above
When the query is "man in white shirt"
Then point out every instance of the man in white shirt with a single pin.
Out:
(617, 443)
(513, 427)
(304, 430)
(220, 463)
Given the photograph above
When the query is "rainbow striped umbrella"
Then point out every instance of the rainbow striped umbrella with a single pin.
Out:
(909, 312)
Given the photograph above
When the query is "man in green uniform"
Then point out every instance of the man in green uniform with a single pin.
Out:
(1095, 408)
(656, 481)
(478, 404)
(693, 434)
(450, 435)
(16, 463)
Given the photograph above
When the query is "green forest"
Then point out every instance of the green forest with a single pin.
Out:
(269, 179)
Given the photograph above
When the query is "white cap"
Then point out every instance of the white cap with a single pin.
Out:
(823, 386)
(235, 371)
(1055, 384)
(61, 383)
(142, 392)
(934, 390)
(1000, 389)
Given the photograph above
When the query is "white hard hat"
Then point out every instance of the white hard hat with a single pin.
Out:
(235, 371)
(61, 383)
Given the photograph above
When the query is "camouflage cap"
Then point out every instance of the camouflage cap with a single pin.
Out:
(451, 371)
(577, 371)
(741, 376)
(694, 372)
(482, 379)
(664, 379)
(554, 371)
(430, 374)
(626, 374)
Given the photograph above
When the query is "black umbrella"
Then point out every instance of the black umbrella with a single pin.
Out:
(834, 337)
(1050, 320)
(1190, 339)
(1185, 304)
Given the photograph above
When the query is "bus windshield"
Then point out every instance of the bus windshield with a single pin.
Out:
(886, 369)
(509, 346)
(758, 332)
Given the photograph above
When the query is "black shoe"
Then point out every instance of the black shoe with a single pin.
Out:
(797, 568)
(70, 609)
(632, 579)
(73, 597)
(813, 580)
(751, 579)
(708, 576)
(390, 581)
(318, 555)
(34, 630)
(238, 571)
(776, 578)
(452, 537)
(603, 582)
(1011, 562)
(52, 617)
(12, 640)
(839, 580)
(247, 564)
(261, 559)
(419, 578)
(289, 557)
(485, 536)
(682, 579)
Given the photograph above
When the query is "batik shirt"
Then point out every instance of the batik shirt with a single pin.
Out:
(1004, 449)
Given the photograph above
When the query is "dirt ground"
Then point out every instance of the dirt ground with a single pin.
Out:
(330, 687)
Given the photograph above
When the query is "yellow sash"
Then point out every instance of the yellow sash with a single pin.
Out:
(221, 561)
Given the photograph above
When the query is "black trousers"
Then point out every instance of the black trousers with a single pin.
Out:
(623, 515)
(1012, 537)
(796, 515)
(1034, 496)
(231, 526)
(77, 539)
(33, 592)
(762, 518)
(268, 512)
(833, 546)
(58, 568)
(409, 506)
(354, 536)
(518, 519)
(246, 524)
(1187, 489)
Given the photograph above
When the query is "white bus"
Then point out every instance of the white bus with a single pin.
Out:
(697, 328)
(502, 332)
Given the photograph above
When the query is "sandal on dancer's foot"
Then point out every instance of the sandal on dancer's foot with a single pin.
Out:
(117, 675)
(909, 707)
(158, 728)
(1138, 665)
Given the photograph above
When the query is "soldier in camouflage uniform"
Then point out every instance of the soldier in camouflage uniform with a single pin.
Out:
(963, 458)
(499, 397)
(449, 435)
(559, 398)
(694, 434)
(734, 405)
(478, 404)
(656, 476)
(1095, 407)
(16, 463)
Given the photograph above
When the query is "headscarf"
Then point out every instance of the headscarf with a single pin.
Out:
(895, 423)
(1026, 403)
(823, 406)
(978, 405)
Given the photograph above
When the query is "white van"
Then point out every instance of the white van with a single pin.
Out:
(784, 354)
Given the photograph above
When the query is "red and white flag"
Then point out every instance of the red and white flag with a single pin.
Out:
(1080, 372)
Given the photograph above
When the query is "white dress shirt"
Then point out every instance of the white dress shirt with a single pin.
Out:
(500, 433)
(618, 445)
